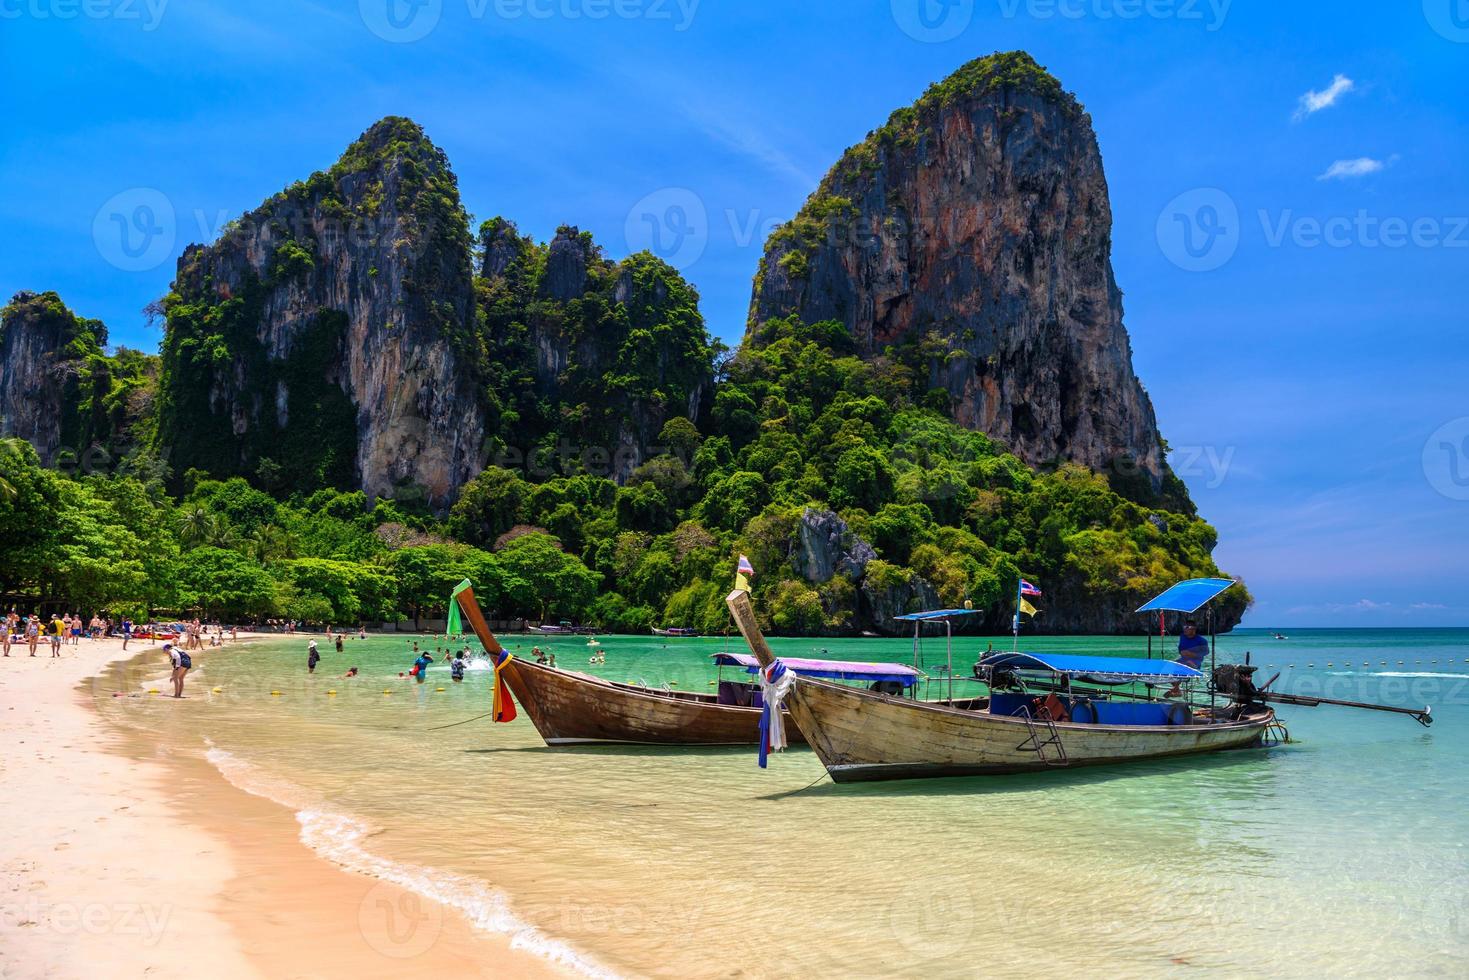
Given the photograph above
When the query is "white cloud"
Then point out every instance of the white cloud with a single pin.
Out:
(1313, 101)
(1360, 167)
(745, 138)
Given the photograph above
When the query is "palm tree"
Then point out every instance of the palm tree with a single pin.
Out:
(10, 447)
(196, 522)
(271, 542)
(221, 535)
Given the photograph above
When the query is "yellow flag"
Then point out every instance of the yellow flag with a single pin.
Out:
(1027, 608)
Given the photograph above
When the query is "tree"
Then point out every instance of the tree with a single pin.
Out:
(224, 583)
(564, 586)
(488, 506)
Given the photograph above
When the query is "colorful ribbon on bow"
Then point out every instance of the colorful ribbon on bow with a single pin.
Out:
(776, 682)
(502, 705)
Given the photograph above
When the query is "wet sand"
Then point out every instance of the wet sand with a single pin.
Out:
(129, 858)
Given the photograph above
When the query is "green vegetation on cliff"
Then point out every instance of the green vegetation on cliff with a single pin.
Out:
(629, 459)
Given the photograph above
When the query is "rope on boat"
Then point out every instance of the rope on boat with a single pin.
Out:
(456, 724)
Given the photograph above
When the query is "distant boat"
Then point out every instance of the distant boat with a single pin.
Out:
(563, 628)
(1278, 636)
(676, 631)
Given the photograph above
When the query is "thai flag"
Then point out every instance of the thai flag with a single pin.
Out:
(745, 568)
(1027, 589)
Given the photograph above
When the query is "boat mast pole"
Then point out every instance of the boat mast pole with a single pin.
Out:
(949, 626)
(1015, 622)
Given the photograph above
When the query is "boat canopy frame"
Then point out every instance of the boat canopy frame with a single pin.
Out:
(834, 670)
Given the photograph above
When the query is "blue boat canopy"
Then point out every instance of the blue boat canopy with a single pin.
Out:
(1102, 670)
(839, 670)
(1187, 596)
(924, 617)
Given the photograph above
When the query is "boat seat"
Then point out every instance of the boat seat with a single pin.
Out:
(735, 694)
(1139, 713)
(1008, 703)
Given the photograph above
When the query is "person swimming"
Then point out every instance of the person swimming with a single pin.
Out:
(351, 672)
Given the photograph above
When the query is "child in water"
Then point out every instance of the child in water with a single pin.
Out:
(420, 673)
(456, 669)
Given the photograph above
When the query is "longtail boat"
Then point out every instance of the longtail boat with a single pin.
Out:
(864, 735)
(571, 708)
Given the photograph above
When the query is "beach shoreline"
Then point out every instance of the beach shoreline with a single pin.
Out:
(143, 858)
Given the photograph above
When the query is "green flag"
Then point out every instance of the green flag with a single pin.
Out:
(455, 625)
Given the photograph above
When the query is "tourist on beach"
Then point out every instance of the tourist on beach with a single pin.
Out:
(182, 663)
(33, 632)
(57, 634)
(127, 631)
(312, 657)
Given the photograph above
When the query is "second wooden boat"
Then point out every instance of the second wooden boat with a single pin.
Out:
(864, 735)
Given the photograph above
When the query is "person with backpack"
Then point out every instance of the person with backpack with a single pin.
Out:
(182, 664)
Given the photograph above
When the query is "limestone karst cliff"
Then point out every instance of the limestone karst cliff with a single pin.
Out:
(328, 338)
(972, 235)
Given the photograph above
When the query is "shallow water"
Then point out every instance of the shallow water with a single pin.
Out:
(1342, 852)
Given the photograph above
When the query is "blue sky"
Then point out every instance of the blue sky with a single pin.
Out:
(1291, 217)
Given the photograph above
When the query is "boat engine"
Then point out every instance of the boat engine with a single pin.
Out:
(1237, 681)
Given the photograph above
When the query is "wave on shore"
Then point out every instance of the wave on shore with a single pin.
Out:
(338, 838)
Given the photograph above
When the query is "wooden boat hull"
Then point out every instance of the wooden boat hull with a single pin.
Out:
(861, 736)
(570, 708)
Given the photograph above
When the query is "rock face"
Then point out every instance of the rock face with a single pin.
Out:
(616, 348)
(330, 333)
(38, 370)
(61, 392)
(825, 547)
(973, 234)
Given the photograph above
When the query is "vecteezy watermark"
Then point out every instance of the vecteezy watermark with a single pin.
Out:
(1446, 459)
(1363, 230)
(136, 230)
(933, 21)
(1211, 13)
(1450, 18)
(672, 223)
(933, 918)
(566, 459)
(405, 21)
(1209, 464)
(147, 13)
(147, 922)
(1199, 229)
(397, 922)
(401, 21)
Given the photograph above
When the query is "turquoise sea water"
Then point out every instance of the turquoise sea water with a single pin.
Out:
(1341, 853)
